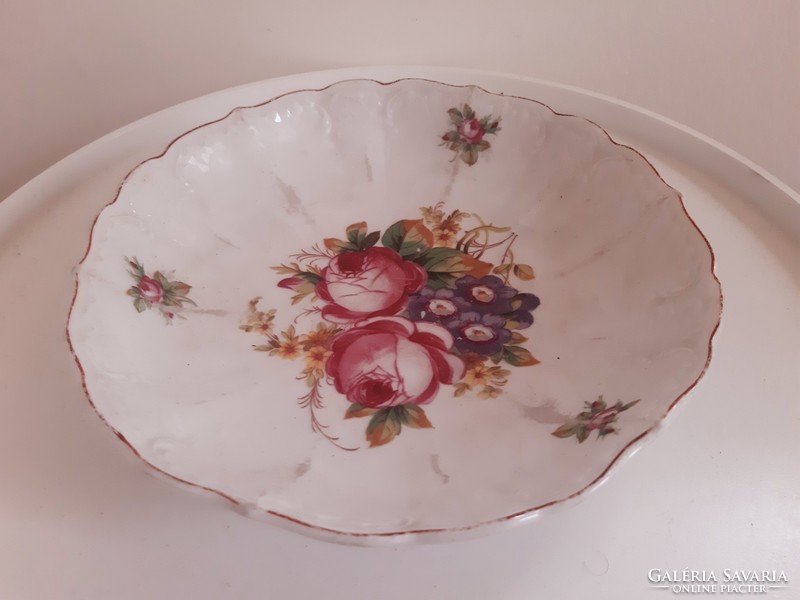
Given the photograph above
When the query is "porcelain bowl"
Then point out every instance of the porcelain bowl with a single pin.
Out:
(378, 311)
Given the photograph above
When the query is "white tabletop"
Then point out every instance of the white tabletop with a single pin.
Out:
(716, 489)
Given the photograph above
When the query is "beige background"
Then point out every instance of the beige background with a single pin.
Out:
(73, 71)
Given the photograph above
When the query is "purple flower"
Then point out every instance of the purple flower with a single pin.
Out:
(489, 295)
(481, 334)
(435, 306)
(521, 317)
(485, 295)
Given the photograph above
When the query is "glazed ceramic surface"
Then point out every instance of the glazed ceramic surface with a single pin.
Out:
(376, 309)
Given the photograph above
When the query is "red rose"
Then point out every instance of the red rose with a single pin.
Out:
(471, 130)
(602, 419)
(386, 361)
(371, 283)
(150, 290)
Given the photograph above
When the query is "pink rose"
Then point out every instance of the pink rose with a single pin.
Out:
(374, 282)
(386, 361)
(291, 283)
(602, 419)
(150, 289)
(471, 130)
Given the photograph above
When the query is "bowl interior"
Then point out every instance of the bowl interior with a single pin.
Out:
(383, 308)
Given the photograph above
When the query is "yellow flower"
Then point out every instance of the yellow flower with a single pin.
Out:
(443, 238)
(478, 375)
(321, 336)
(482, 378)
(289, 349)
(316, 358)
(288, 346)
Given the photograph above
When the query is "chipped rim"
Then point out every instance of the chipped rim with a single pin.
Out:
(430, 534)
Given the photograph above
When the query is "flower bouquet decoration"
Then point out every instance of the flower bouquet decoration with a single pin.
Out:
(398, 314)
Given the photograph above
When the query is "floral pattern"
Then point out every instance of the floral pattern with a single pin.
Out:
(400, 314)
(157, 291)
(597, 416)
(466, 138)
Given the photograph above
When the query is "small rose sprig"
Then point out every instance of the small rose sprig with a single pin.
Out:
(166, 295)
(597, 416)
(466, 139)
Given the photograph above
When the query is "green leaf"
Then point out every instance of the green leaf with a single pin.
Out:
(490, 121)
(140, 304)
(481, 146)
(523, 272)
(565, 430)
(409, 238)
(416, 417)
(400, 413)
(469, 154)
(455, 116)
(441, 281)
(496, 358)
(453, 262)
(518, 356)
(502, 269)
(518, 338)
(468, 112)
(338, 246)
(133, 291)
(581, 434)
(370, 240)
(355, 411)
(180, 288)
(310, 277)
(383, 427)
(629, 404)
(159, 277)
(356, 233)
(138, 269)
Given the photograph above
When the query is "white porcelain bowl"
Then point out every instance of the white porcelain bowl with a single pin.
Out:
(377, 310)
